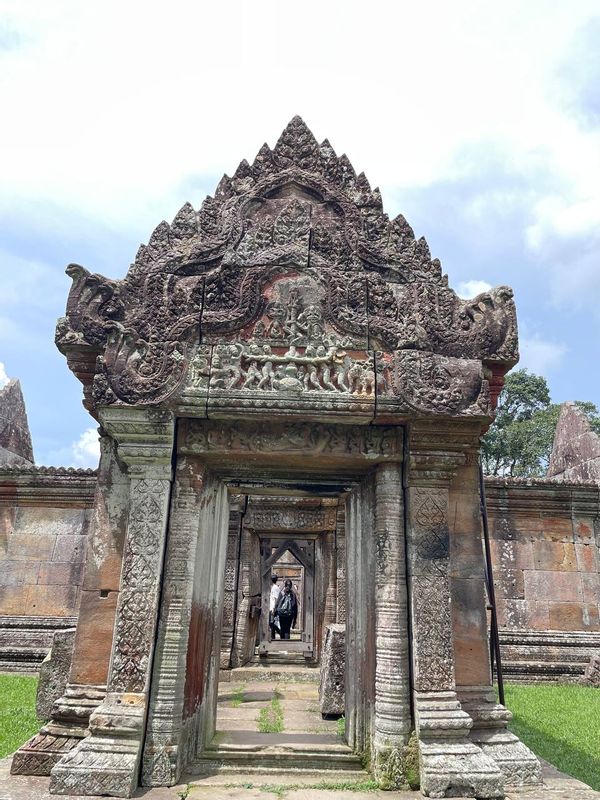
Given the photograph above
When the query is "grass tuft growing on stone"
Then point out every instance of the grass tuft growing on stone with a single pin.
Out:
(561, 724)
(270, 718)
(237, 697)
(340, 726)
(18, 721)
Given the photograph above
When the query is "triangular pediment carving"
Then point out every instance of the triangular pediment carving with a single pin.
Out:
(293, 251)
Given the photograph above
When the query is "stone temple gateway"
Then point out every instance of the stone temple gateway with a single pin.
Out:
(287, 340)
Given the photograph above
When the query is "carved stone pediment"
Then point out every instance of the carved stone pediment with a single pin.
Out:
(283, 286)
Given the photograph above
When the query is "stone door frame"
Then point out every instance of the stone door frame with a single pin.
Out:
(293, 458)
(307, 561)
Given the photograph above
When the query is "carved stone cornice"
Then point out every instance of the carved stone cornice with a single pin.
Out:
(144, 438)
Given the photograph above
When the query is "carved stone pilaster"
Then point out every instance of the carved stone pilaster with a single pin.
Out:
(163, 757)
(107, 762)
(392, 683)
(451, 764)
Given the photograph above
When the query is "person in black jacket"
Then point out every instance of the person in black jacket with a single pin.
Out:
(287, 609)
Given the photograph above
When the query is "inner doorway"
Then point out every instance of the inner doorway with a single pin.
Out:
(292, 559)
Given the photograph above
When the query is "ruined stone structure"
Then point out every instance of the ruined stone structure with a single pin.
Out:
(286, 340)
(544, 540)
(44, 520)
(15, 439)
(576, 450)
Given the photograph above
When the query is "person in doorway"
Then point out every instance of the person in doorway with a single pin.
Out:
(275, 592)
(287, 610)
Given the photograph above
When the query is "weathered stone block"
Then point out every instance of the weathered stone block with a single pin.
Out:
(554, 556)
(54, 672)
(553, 586)
(591, 587)
(69, 548)
(469, 624)
(94, 639)
(60, 573)
(18, 573)
(332, 697)
(572, 617)
(28, 546)
(586, 557)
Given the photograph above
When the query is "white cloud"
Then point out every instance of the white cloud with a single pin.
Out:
(539, 355)
(469, 289)
(122, 134)
(4, 379)
(86, 450)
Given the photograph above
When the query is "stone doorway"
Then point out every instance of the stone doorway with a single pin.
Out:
(293, 559)
(287, 338)
(214, 458)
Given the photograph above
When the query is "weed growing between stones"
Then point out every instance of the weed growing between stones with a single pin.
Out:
(341, 726)
(270, 718)
(238, 696)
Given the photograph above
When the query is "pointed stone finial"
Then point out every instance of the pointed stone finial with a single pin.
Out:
(15, 438)
(297, 145)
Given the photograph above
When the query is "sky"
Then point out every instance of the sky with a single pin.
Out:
(479, 121)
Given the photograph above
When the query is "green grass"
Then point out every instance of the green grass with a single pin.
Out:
(17, 711)
(238, 696)
(340, 726)
(270, 718)
(560, 724)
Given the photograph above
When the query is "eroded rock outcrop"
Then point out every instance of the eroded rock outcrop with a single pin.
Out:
(576, 450)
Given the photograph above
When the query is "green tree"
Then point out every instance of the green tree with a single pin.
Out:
(519, 443)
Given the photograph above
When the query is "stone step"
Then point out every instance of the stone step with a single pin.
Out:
(276, 674)
(277, 778)
(277, 760)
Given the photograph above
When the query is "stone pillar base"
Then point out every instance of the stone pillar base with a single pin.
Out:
(107, 762)
(519, 766)
(67, 727)
(451, 764)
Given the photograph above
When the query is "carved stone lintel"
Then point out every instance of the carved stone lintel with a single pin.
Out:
(107, 762)
(334, 441)
(519, 766)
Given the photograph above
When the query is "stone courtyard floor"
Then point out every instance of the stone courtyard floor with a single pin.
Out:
(272, 743)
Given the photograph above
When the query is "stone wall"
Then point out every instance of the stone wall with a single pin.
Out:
(544, 541)
(44, 518)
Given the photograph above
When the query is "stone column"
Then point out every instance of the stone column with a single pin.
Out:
(329, 566)
(451, 764)
(340, 556)
(473, 675)
(392, 679)
(107, 761)
(86, 687)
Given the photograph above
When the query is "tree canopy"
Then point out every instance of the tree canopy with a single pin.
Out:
(519, 442)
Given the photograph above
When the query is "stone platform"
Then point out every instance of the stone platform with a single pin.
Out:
(307, 760)
(302, 787)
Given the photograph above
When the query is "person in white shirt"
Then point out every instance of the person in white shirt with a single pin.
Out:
(275, 592)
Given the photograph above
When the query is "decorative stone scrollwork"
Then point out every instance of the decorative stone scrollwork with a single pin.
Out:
(336, 441)
(297, 214)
